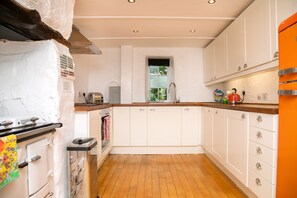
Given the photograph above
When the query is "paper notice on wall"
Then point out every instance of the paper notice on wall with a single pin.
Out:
(67, 67)
(68, 86)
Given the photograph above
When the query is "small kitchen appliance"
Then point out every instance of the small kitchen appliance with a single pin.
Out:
(234, 98)
(95, 98)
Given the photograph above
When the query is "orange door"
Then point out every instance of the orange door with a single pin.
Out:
(287, 138)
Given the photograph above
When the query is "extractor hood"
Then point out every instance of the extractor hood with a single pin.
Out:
(80, 44)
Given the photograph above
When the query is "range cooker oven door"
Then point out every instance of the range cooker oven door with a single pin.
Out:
(38, 167)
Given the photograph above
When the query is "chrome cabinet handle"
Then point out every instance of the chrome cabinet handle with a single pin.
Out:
(243, 116)
(214, 77)
(141, 109)
(275, 55)
(258, 166)
(258, 182)
(239, 68)
(259, 135)
(187, 109)
(245, 66)
(49, 195)
(259, 119)
(216, 112)
(211, 78)
(208, 110)
(259, 151)
(152, 109)
(35, 158)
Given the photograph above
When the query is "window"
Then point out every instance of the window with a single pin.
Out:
(159, 76)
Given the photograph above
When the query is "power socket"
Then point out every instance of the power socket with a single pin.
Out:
(81, 94)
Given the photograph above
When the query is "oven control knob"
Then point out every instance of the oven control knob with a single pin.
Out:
(6, 123)
(33, 119)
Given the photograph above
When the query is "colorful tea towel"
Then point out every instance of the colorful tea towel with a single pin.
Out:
(9, 170)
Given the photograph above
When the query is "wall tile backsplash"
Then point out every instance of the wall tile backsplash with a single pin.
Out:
(259, 88)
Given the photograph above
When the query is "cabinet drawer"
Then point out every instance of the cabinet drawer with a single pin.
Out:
(260, 186)
(262, 169)
(264, 121)
(264, 137)
(263, 153)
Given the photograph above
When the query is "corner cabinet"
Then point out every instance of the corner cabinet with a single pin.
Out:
(164, 126)
(206, 128)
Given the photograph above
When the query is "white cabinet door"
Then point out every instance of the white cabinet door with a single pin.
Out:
(206, 127)
(190, 126)
(236, 46)
(219, 147)
(138, 126)
(208, 62)
(258, 33)
(164, 126)
(121, 126)
(237, 149)
(221, 67)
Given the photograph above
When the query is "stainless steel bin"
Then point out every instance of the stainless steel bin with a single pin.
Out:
(82, 168)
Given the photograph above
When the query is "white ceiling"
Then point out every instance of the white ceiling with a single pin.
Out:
(160, 23)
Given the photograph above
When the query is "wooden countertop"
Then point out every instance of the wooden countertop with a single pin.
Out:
(257, 108)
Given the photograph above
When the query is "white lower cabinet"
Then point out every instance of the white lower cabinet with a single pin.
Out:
(164, 126)
(219, 147)
(237, 144)
(263, 154)
(138, 120)
(190, 126)
(121, 126)
(206, 128)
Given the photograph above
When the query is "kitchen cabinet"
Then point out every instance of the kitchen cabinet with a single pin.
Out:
(208, 56)
(164, 126)
(220, 56)
(235, 39)
(262, 154)
(138, 119)
(190, 126)
(121, 126)
(237, 144)
(206, 128)
(219, 144)
(258, 33)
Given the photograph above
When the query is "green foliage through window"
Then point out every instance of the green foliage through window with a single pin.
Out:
(158, 83)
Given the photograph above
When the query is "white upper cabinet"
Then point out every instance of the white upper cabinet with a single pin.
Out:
(220, 57)
(235, 39)
(258, 33)
(209, 63)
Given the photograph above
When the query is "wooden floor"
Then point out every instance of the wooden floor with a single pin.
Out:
(163, 176)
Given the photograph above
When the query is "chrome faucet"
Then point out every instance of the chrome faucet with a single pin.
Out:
(174, 85)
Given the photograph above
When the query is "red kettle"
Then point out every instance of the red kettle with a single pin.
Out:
(234, 97)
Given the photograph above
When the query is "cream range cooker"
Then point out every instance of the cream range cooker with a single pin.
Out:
(34, 143)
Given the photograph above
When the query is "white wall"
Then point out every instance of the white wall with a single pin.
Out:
(97, 72)
(256, 85)
(188, 66)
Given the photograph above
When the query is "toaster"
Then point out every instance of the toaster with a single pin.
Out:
(95, 98)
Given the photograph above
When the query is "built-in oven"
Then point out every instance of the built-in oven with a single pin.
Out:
(105, 129)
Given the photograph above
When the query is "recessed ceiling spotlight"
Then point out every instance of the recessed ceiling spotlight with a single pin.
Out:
(211, 1)
(131, 1)
(192, 31)
(135, 31)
